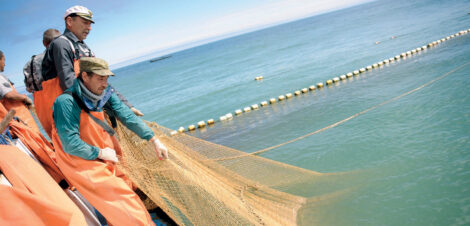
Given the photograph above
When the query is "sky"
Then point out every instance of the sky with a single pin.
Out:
(127, 32)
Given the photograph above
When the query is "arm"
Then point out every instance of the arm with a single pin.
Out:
(121, 97)
(13, 95)
(66, 114)
(7, 92)
(129, 119)
(126, 102)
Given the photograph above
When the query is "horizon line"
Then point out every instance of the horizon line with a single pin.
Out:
(200, 42)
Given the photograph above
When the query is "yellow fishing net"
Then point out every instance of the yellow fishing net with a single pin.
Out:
(203, 183)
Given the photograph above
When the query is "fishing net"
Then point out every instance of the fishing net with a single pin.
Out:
(203, 183)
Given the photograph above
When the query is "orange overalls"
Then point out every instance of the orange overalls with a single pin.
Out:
(37, 143)
(44, 99)
(100, 182)
(106, 188)
(34, 198)
(22, 111)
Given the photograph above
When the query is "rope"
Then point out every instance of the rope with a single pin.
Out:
(348, 118)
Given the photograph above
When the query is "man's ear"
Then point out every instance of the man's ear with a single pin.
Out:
(84, 76)
(68, 21)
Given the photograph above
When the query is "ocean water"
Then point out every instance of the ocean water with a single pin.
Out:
(409, 158)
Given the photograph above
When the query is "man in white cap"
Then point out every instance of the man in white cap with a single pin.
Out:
(60, 66)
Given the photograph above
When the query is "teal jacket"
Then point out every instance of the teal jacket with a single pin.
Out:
(66, 113)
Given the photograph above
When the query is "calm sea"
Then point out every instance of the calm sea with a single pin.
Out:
(408, 160)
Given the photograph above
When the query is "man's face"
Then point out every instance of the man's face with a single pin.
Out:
(2, 64)
(79, 27)
(95, 83)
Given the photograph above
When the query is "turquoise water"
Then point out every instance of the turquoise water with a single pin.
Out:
(412, 155)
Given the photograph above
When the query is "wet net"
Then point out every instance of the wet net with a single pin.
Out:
(203, 183)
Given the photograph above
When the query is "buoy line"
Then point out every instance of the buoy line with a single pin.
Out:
(320, 85)
(348, 118)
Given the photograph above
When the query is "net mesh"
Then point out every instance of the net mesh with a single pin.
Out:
(203, 183)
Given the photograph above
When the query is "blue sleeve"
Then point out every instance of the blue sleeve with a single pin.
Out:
(66, 115)
(121, 97)
(129, 119)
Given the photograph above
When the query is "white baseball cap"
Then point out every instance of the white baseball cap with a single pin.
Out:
(81, 11)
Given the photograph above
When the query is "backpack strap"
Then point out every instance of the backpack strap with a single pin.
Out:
(80, 103)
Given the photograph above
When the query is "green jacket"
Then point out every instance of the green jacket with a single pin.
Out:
(66, 113)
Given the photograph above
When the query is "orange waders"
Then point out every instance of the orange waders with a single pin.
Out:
(44, 99)
(100, 182)
(37, 143)
(34, 198)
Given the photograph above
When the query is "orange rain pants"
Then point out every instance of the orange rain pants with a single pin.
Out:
(44, 99)
(36, 143)
(100, 182)
(34, 198)
(22, 112)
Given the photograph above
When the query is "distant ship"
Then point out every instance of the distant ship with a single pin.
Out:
(159, 58)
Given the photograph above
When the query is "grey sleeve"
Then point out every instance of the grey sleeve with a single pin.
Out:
(121, 97)
(5, 87)
(63, 61)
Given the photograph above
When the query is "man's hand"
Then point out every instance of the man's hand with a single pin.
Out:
(108, 154)
(15, 96)
(162, 151)
(137, 112)
(28, 101)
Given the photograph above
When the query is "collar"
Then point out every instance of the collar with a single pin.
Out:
(71, 36)
(88, 103)
(99, 106)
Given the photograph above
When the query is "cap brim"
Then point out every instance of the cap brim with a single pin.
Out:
(103, 72)
(86, 18)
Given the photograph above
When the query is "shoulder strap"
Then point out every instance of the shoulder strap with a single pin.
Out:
(112, 116)
(76, 53)
(80, 103)
(32, 73)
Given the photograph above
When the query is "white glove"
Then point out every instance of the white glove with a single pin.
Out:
(137, 112)
(162, 151)
(108, 154)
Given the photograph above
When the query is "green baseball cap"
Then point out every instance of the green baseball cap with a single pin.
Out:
(95, 65)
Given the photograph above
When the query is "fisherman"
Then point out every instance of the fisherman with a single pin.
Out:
(87, 150)
(11, 99)
(60, 66)
(32, 69)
